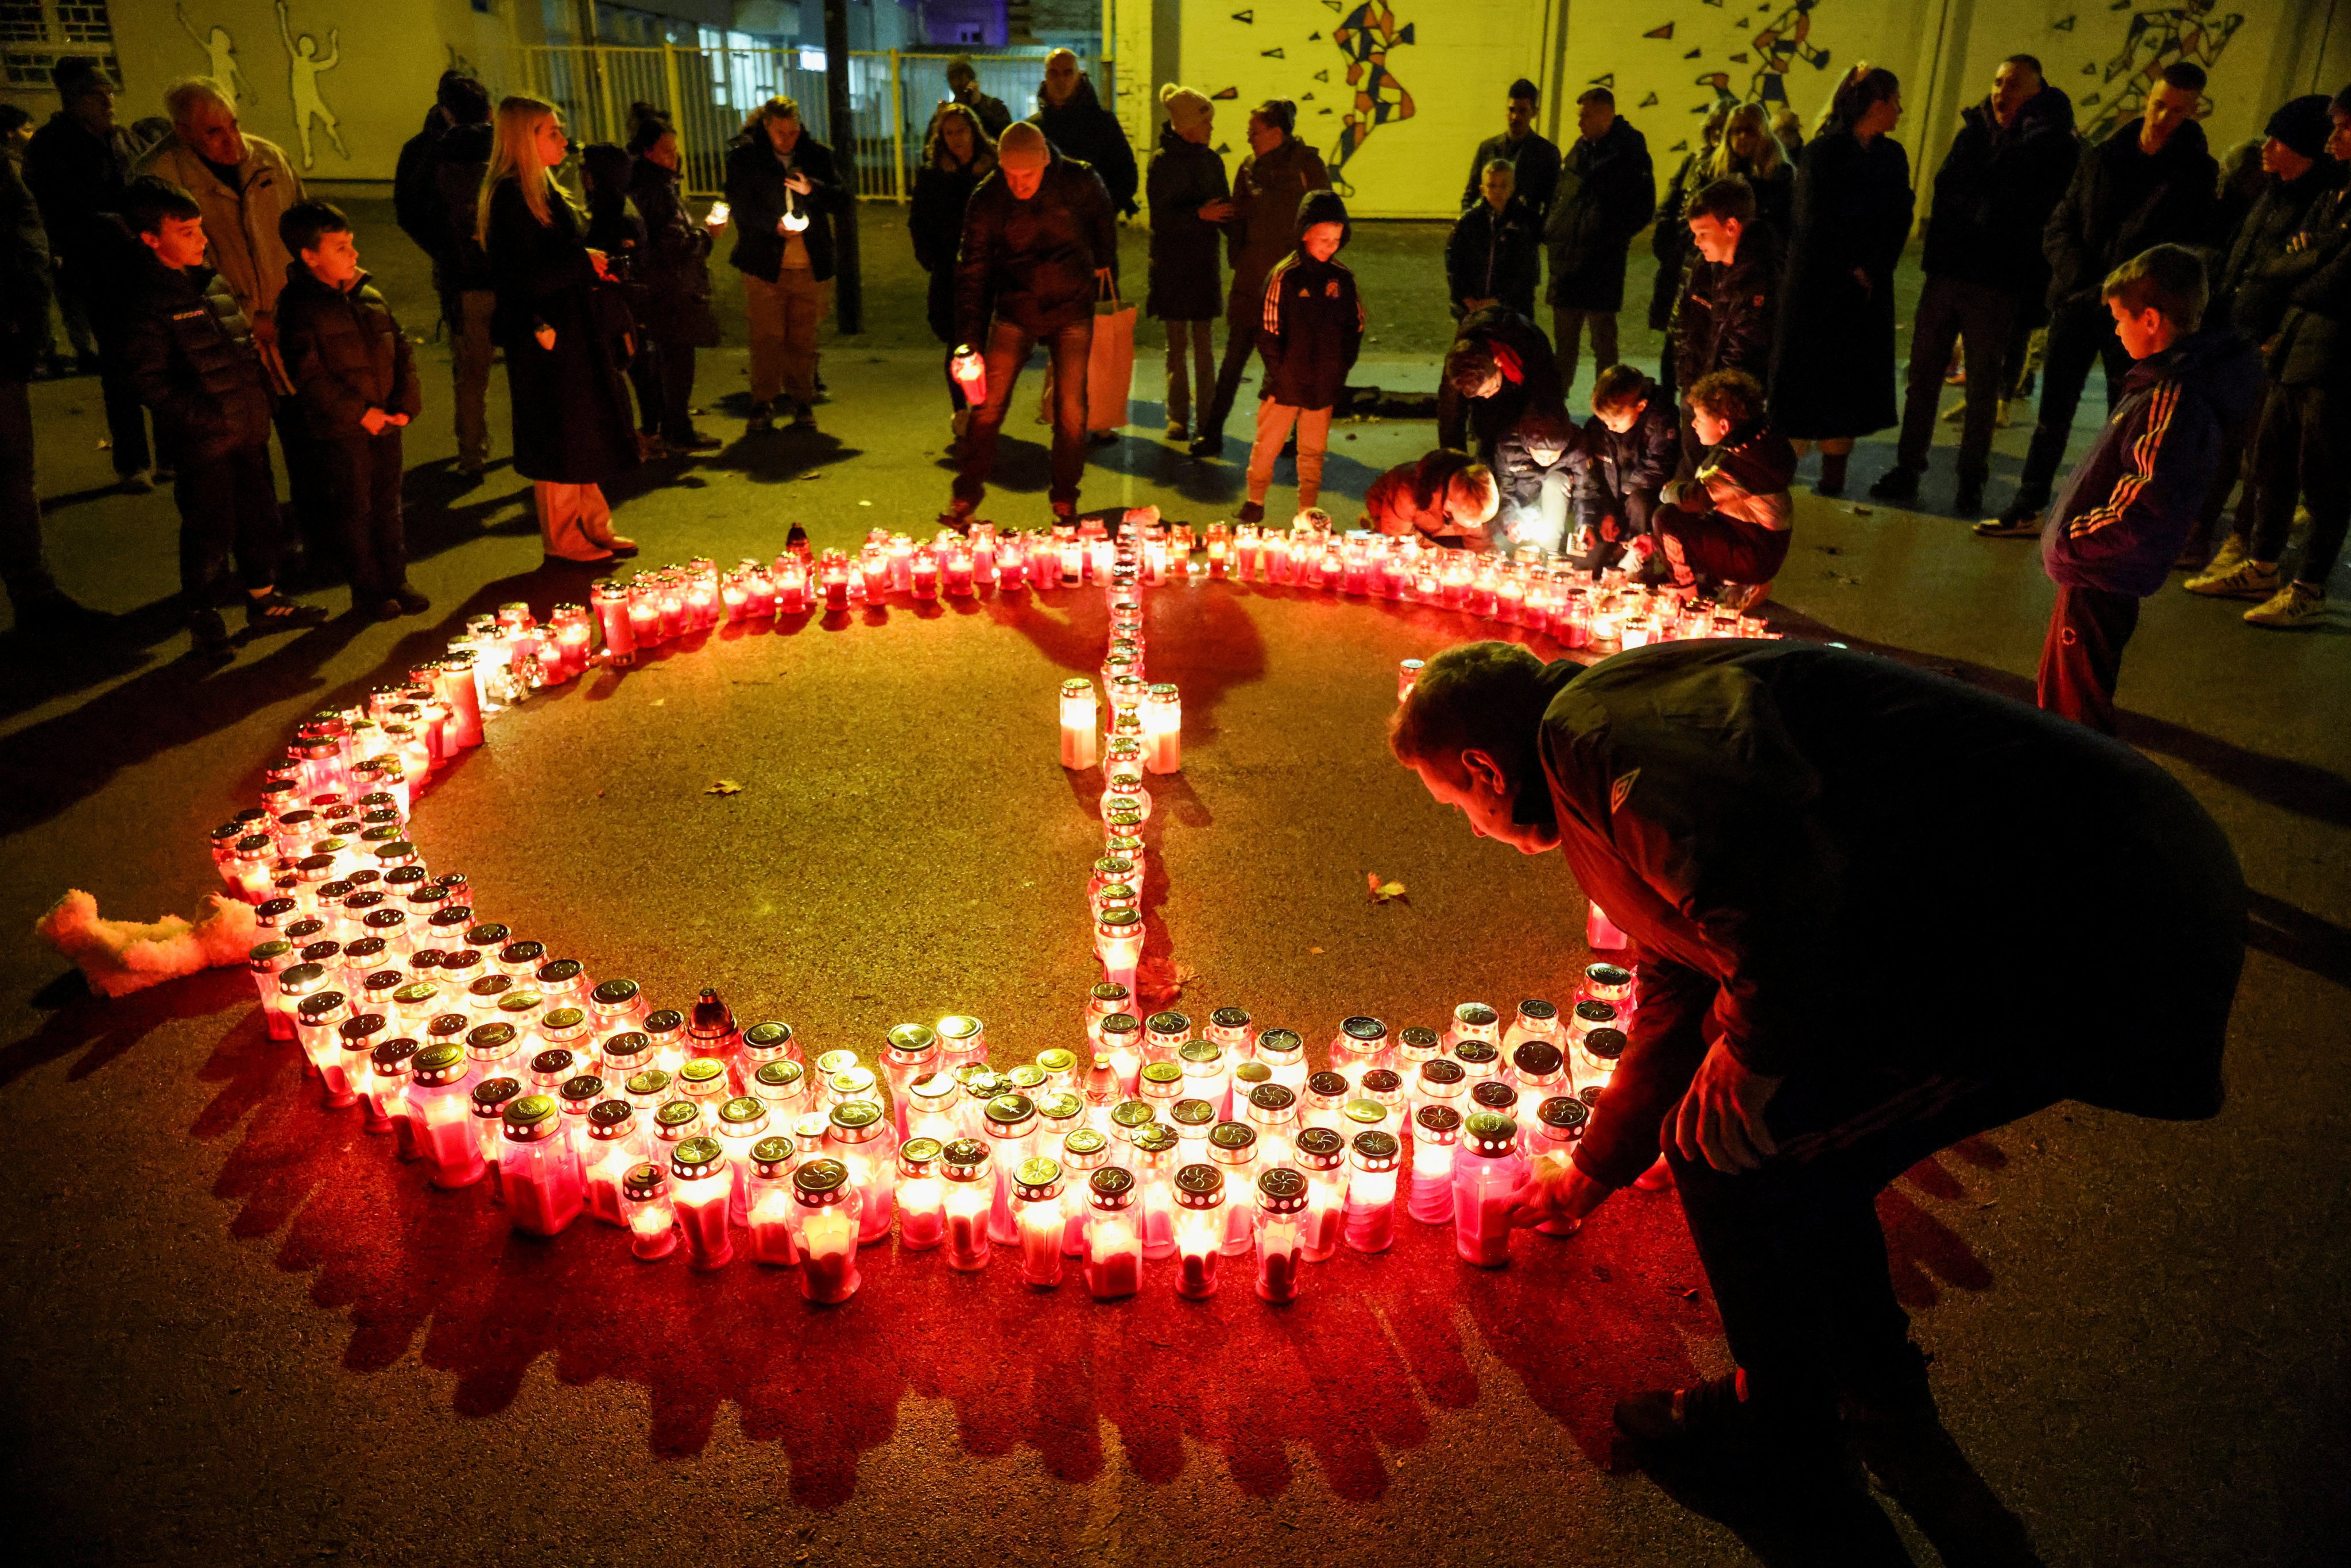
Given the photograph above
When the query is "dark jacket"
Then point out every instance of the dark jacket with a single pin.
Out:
(1521, 470)
(1745, 477)
(416, 204)
(1669, 241)
(992, 116)
(614, 228)
(460, 162)
(1264, 224)
(2121, 202)
(1636, 462)
(1833, 362)
(571, 416)
(675, 264)
(2312, 343)
(756, 193)
(1529, 374)
(1728, 315)
(24, 278)
(1805, 843)
(1032, 263)
(2250, 293)
(1185, 177)
(1410, 499)
(1493, 255)
(1313, 323)
(346, 353)
(188, 353)
(1535, 168)
(1084, 130)
(77, 179)
(2127, 505)
(1995, 192)
(1607, 194)
(934, 219)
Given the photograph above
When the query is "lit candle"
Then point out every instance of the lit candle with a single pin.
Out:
(855, 1138)
(702, 1192)
(1153, 1152)
(1118, 943)
(1559, 1121)
(1487, 1171)
(1199, 1229)
(1114, 1245)
(1408, 672)
(1361, 1044)
(387, 1092)
(1284, 1053)
(968, 1183)
(440, 1110)
(1038, 1213)
(1272, 1110)
(346, 1071)
(1282, 1200)
(921, 1195)
(652, 1221)
(1232, 1148)
(769, 1212)
(613, 1151)
(1371, 1191)
(909, 1052)
(1435, 1130)
(1473, 1021)
(1538, 1069)
(1163, 729)
(268, 962)
(1321, 1154)
(1081, 723)
(539, 1171)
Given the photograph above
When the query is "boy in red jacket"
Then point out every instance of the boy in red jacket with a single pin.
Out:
(1312, 331)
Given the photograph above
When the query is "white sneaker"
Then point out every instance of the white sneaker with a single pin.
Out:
(2296, 604)
(2241, 578)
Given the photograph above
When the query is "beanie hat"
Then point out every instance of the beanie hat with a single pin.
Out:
(1319, 207)
(2302, 124)
(1280, 113)
(75, 74)
(1185, 107)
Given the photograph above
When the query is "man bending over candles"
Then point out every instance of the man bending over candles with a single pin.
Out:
(1809, 848)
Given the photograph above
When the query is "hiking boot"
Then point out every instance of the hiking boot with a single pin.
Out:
(1896, 484)
(1251, 512)
(2018, 522)
(273, 612)
(2296, 604)
(2234, 574)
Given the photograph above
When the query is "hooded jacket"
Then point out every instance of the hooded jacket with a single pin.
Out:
(415, 199)
(1032, 263)
(1493, 255)
(241, 240)
(1995, 192)
(188, 353)
(2121, 202)
(1266, 193)
(2251, 289)
(1185, 177)
(2127, 505)
(1636, 462)
(755, 190)
(1084, 130)
(1530, 373)
(1607, 193)
(1313, 323)
(1806, 846)
(346, 353)
(1728, 314)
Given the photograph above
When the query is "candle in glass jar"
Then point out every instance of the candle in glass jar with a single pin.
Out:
(1113, 1242)
(611, 1149)
(539, 1171)
(1152, 1157)
(1408, 673)
(441, 1112)
(1038, 1215)
(826, 1212)
(1200, 1192)
(703, 1194)
(967, 1193)
(767, 1217)
(1559, 1121)
(1371, 1191)
(1232, 1148)
(1280, 1232)
(652, 1221)
(1163, 728)
(1284, 1053)
(854, 1135)
(1118, 943)
(1435, 1131)
(1487, 1171)
(1321, 1153)
(386, 1093)
(909, 1052)
(345, 1073)
(921, 1195)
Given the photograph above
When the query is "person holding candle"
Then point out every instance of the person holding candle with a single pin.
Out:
(1805, 846)
(1633, 446)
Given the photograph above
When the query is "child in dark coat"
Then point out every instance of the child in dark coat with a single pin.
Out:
(1729, 524)
(1629, 451)
(357, 385)
(1312, 331)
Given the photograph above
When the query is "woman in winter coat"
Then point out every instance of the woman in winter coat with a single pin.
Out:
(1190, 200)
(957, 154)
(673, 276)
(1751, 152)
(572, 427)
(1833, 365)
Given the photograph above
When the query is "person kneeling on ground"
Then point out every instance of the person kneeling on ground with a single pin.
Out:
(1631, 446)
(1806, 848)
(357, 385)
(1447, 497)
(1537, 464)
(1312, 330)
(1729, 524)
(188, 351)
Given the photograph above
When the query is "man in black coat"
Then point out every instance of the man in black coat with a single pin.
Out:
(2151, 182)
(416, 203)
(446, 197)
(1807, 848)
(1079, 127)
(77, 165)
(1731, 305)
(1534, 159)
(2005, 172)
(963, 86)
(39, 604)
(1607, 194)
(1038, 238)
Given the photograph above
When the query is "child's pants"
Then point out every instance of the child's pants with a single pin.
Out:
(2082, 654)
(1712, 544)
(363, 474)
(227, 501)
(1273, 423)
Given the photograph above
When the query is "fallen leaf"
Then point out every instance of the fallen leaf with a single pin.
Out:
(1383, 892)
(724, 787)
(1315, 949)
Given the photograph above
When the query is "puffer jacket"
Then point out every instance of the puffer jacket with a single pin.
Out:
(1084, 130)
(755, 190)
(2122, 201)
(1032, 263)
(1494, 255)
(675, 266)
(2262, 266)
(2313, 345)
(1995, 191)
(1530, 373)
(1745, 477)
(346, 353)
(189, 353)
(1266, 193)
(1634, 464)
(1410, 499)
(1727, 316)
(461, 161)
(1607, 193)
(241, 240)
(2127, 505)
(1524, 457)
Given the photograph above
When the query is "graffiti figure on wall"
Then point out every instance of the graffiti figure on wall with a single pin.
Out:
(303, 59)
(1784, 40)
(2157, 39)
(1366, 36)
(221, 50)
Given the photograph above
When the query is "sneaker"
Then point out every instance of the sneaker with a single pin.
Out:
(1895, 484)
(1999, 415)
(694, 441)
(1178, 431)
(2296, 604)
(1251, 512)
(2018, 522)
(1955, 413)
(804, 416)
(1210, 444)
(2243, 577)
(2229, 556)
(273, 612)
(411, 603)
(208, 635)
(762, 419)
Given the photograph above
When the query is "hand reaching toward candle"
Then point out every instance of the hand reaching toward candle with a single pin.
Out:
(1720, 1119)
(1550, 1194)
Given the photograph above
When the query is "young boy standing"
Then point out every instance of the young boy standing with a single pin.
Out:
(1730, 305)
(351, 370)
(189, 353)
(1730, 523)
(1312, 330)
(2126, 507)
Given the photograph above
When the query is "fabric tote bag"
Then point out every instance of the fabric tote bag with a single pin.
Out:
(1110, 373)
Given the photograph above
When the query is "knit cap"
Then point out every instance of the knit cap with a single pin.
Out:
(1188, 108)
(2302, 124)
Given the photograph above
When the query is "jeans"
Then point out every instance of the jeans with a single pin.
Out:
(1198, 337)
(470, 354)
(1566, 324)
(228, 500)
(2303, 452)
(1069, 348)
(1949, 311)
(364, 473)
(2079, 337)
(1244, 313)
(783, 319)
(1274, 420)
(2081, 656)
(24, 566)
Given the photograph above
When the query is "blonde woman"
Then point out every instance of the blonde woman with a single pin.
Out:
(1751, 152)
(571, 425)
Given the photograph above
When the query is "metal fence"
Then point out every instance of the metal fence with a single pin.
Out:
(708, 92)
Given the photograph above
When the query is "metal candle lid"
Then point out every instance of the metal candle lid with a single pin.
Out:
(1279, 1045)
(1380, 1083)
(957, 1031)
(777, 1074)
(1158, 1138)
(761, 1040)
(1112, 1187)
(856, 1121)
(1564, 1111)
(1106, 991)
(1536, 1058)
(1377, 1151)
(1192, 1114)
(1366, 1030)
(392, 1058)
(1131, 1113)
(918, 1158)
(1281, 1190)
(676, 1115)
(1489, 1132)
(1085, 1148)
(1169, 1023)
(1610, 976)
(1037, 1178)
(1364, 1112)
(701, 1075)
(1476, 1052)
(1476, 1015)
(1594, 1015)
(1232, 1142)
(1536, 1010)
(695, 1158)
(1436, 1123)
(1328, 1085)
(1162, 1079)
(579, 1092)
(1607, 1044)
(1493, 1095)
(741, 1112)
(649, 1084)
(1199, 1186)
(908, 1044)
(614, 994)
(491, 1095)
(554, 1064)
(1119, 1024)
(491, 1040)
(438, 1064)
(533, 1116)
(1417, 1043)
(820, 1182)
(1055, 1060)
(965, 1159)
(1272, 1102)
(610, 1119)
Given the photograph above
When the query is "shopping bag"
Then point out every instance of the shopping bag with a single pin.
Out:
(1109, 372)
